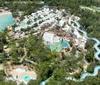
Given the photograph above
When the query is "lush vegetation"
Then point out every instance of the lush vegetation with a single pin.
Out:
(87, 81)
(27, 7)
(51, 64)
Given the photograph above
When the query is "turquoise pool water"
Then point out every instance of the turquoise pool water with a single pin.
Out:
(20, 12)
(26, 78)
(24, 22)
(64, 44)
(6, 20)
(58, 46)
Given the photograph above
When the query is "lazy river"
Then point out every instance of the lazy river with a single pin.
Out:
(96, 69)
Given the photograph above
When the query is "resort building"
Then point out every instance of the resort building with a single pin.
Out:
(48, 19)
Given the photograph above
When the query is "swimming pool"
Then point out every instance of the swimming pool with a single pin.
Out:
(5, 20)
(58, 46)
(64, 44)
(20, 12)
(26, 78)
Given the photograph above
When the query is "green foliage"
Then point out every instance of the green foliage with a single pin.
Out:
(91, 67)
(2, 74)
(33, 82)
(50, 63)
(18, 5)
(90, 55)
(45, 70)
(91, 23)
(59, 74)
(52, 82)
(2, 37)
(1, 46)
(7, 83)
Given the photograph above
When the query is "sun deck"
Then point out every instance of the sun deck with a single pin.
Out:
(21, 74)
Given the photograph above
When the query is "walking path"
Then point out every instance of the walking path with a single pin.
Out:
(30, 61)
(25, 54)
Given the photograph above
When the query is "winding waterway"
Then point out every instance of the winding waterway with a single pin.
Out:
(97, 43)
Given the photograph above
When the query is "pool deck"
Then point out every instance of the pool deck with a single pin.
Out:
(19, 76)
(4, 12)
(20, 72)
